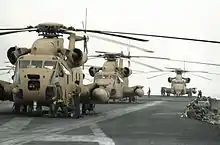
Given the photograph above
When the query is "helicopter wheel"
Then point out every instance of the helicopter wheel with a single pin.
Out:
(91, 109)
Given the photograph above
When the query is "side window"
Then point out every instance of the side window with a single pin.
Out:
(78, 76)
(67, 77)
(72, 76)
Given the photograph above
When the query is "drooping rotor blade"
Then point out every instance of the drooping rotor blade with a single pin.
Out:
(188, 71)
(172, 68)
(18, 31)
(196, 71)
(139, 71)
(7, 68)
(10, 66)
(154, 57)
(110, 34)
(121, 43)
(9, 29)
(196, 62)
(157, 75)
(146, 65)
(201, 77)
(163, 36)
(91, 58)
(213, 73)
(101, 52)
(4, 73)
(99, 55)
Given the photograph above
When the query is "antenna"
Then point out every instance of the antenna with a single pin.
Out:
(85, 49)
(129, 54)
(85, 39)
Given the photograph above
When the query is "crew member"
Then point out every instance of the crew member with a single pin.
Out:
(200, 93)
(149, 92)
(76, 98)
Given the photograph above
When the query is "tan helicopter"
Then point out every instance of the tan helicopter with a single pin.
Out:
(112, 79)
(178, 83)
(47, 74)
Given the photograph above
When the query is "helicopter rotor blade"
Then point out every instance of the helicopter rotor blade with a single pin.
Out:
(139, 71)
(99, 55)
(18, 31)
(188, 71)
(121, 43)
(158, 75)
(163, 36)
(201, 77)
(5, 68)
(65, 31)
(91, 58)
(153, 57)
(110, 34)
(196, 62)
(101, 52)
(149, 66)
(4, 73)
(9, 29)
(171, 68)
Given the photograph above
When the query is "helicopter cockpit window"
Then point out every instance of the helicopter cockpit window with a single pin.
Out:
(179, 82)
(24, 63)
(36, 63)
(50, 64)
(102, 77)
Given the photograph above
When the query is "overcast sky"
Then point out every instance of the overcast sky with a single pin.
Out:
(183, 18)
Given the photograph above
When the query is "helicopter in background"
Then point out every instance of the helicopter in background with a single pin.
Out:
(112, 78)
(179, 82)
(47, 73)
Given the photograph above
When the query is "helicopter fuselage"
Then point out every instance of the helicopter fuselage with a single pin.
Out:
(43, 79)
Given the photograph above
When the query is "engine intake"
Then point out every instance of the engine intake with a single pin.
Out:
(14, 52)
(187, 80)
(76, 58)
(170, 79)
(93, 70)
(126, 72)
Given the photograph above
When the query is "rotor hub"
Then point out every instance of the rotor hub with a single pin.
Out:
(50, 30)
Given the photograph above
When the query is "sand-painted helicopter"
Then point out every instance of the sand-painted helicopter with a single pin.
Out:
(112, 78)
(179, 82)
(47, 74)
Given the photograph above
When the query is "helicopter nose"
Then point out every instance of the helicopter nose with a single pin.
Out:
(139, 92)
(101, 94)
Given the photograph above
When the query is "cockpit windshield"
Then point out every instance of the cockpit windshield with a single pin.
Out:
(24, 63)
(178, 82)
(30, 64)
(50, 64)
(37, 64)
(102, 76)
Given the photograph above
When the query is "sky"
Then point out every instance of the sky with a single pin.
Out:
(183, 18)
